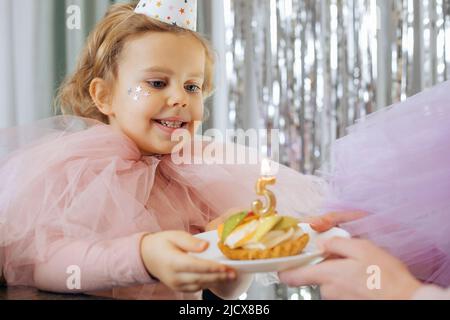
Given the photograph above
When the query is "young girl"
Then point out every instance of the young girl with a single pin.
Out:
(94, 203)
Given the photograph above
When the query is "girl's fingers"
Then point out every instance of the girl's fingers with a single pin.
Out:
(204, 279)
(188, 243)
(191, 264)
(190, 288)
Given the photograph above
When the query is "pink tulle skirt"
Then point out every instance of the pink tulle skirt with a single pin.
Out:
(395, 165)
(69, 178)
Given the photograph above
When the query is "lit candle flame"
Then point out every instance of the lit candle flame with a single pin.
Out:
(266, 170)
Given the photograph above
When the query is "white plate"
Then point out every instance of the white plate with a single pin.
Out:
(309, 256)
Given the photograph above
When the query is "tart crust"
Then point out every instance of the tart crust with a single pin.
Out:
(284, 249)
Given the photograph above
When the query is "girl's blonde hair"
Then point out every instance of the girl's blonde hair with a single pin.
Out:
(99, 58)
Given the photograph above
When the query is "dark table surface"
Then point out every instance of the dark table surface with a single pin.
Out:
(26, 293)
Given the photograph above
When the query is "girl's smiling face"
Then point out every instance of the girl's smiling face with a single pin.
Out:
(158, 88)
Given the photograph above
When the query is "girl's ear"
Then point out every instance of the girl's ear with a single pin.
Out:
(101, 95)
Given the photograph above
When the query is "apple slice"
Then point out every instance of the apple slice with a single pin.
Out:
(245, 239)
(286, 223)
(231, 223)
(265, 226)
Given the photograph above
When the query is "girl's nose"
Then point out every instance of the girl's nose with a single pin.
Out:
(178, 98)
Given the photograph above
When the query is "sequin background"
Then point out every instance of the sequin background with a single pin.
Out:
(311, 68)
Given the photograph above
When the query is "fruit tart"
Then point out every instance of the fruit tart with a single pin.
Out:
(248, 236)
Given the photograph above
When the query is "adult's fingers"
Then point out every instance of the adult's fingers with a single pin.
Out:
(318, 223)
(327, 272)
(332, 219)
(317, 274)
(321, 224)
(330, 292)
(345, 216)
(348, 248)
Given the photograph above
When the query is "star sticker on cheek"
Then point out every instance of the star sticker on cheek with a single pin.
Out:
(137, 92)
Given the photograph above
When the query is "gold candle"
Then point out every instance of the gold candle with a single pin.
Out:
(261, 190)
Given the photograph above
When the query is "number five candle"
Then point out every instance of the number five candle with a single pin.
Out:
(263, 181)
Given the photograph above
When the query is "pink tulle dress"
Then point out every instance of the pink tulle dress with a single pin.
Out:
(74, 192)
(395, 165)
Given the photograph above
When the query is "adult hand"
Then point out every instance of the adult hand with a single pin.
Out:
(364, 271)
(332, 219)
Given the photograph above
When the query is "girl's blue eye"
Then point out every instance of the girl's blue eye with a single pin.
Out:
(193, 88)
(157, 84)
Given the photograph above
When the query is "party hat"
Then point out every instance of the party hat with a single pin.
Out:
(182, 13)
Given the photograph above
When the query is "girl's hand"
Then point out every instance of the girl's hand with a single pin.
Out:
(165, 255)
(355, 275)
(332, 219)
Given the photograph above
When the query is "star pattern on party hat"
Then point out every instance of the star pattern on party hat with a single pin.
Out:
(181, 13)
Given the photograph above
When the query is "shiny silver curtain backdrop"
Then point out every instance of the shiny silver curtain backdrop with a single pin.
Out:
(311, 68)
